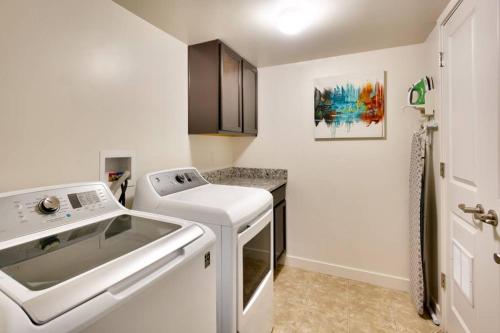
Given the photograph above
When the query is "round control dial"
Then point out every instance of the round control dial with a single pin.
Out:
(180, 178)
(49, 205)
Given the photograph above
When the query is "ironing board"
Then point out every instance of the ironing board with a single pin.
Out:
(416, 214)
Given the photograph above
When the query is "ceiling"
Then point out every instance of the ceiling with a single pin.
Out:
(333, 27)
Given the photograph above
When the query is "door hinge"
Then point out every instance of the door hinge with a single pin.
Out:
(442, 168)
(441, 59)
(443, 280)
(207, 259)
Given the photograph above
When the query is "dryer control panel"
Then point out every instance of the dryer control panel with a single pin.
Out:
(28, 212)
(173, 181)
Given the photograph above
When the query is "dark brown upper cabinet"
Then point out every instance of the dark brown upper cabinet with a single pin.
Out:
(249, 98)
(222, 91)
(230, 91)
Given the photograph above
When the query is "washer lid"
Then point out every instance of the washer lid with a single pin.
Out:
(217, 204)
(49, 276)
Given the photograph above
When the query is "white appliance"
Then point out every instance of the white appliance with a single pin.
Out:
(242, 219)
(73, 259)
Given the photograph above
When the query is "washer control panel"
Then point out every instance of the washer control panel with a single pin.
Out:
(30, 212)
(173, 181)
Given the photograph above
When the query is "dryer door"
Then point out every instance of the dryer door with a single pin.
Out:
(255, 276)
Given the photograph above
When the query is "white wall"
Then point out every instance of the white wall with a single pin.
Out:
(347, 201)
(77, 77)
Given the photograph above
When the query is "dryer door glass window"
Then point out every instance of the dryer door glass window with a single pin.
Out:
(256, 262)
(43, 263)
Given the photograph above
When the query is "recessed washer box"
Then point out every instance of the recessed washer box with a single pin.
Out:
(115, 162)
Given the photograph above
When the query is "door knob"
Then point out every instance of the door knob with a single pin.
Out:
(496, 257)
(490, 218)
(479, 209)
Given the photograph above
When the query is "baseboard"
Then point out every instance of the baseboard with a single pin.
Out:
(379, 279)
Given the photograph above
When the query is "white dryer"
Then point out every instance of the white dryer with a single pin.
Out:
(241, 218)
(73, 260)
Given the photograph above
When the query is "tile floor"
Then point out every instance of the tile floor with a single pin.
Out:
(316, 303)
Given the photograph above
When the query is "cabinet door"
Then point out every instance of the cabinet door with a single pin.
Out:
(230, 108)
(249, 98)
(279, 230)
(204, 85)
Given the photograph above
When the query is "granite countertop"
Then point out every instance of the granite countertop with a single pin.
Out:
(267, 179)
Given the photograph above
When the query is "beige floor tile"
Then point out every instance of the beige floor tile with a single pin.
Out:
(319, 303)
(371, 325)
(407, 320)
(309, 302)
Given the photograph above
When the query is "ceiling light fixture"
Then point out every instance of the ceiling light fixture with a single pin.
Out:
(291, 21)
(291, 17)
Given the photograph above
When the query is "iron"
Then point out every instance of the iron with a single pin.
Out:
(416, 93)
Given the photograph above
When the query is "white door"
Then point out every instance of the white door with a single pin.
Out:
(470, 82)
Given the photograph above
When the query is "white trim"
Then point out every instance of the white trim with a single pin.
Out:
(445, 245)
(443, 209)
(376, 278)
(448, 11)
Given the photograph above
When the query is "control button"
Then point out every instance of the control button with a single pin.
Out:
(187, 177)
(180, 178)
(19, 206)
(68, 215)
(49, 205)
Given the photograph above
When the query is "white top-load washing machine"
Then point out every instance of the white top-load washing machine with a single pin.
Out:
(73, 259)
(241, 218)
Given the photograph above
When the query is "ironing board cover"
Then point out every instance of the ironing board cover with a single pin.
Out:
(417, 164)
